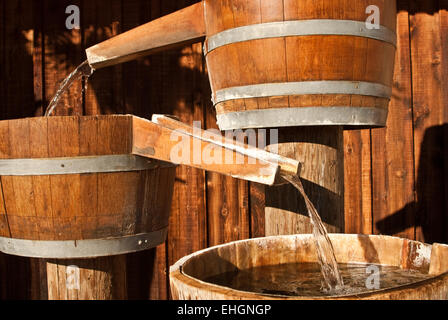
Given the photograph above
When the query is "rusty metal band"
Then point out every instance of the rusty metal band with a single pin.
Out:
(299, 28)
(304, 116)
(302, 88)
(75, 249)
(77, 165)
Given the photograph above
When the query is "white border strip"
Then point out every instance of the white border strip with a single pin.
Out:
(303, 88)
(304, 116)
(299, 28)
(77, 165)
(75, 249)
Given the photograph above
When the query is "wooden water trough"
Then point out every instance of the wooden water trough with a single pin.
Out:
(187, 276)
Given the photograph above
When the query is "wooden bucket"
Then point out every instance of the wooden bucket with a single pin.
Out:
(299, 63)
(280, 63)
(187, 275)
(72, 189)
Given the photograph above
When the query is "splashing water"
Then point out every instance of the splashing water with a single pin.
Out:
(83, 71)
(332, 279)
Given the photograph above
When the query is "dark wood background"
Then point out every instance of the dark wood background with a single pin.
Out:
(396, 178)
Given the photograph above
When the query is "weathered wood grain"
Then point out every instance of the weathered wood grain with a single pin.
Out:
(357, 181)
(428, 109)
(393, 203)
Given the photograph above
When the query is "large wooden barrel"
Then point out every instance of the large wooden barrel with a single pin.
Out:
(300, 63)
(72, 189)
(188, 275)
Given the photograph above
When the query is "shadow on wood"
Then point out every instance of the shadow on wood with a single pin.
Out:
(430, 211)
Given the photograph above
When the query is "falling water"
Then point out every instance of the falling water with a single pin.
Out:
(332, 279)
(84, 70)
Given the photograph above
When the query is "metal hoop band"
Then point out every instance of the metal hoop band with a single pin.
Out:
(303, 88)
(77, 165)
(299, 28)
(305, 116)
(75, 249)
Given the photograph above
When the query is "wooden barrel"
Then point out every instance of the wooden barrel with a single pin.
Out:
(300, 63)
(187, 276)
(72, 189)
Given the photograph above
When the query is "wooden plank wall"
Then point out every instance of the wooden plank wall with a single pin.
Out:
(396, 178)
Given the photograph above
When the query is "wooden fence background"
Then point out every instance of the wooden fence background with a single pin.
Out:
(396, 178)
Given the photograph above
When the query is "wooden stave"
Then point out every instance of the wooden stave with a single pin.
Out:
(242, 105)
(221, 15)
(124, 222)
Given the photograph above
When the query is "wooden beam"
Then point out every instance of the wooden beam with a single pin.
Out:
(181, 27)
(155, 140)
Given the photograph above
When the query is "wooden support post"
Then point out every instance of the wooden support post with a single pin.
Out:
(320, 151)
(80, 279)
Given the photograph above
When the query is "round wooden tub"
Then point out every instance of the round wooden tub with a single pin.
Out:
(300, 63)
(71, 188)
(185, 275)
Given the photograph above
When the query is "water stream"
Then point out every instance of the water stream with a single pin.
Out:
(83, 71)
(331, 276)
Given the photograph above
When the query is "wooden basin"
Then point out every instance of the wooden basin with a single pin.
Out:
(185, 275)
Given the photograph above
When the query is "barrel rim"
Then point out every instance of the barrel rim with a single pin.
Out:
(303, 116)
(177, 274)
(77, 249)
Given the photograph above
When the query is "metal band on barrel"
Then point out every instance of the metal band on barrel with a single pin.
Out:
(304, 116)
(75, 249)
(299, 28)
(77, 165)
(303, 88)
